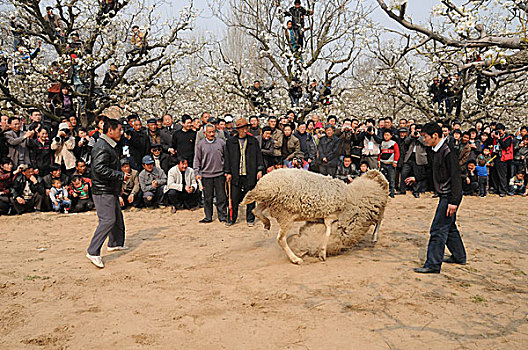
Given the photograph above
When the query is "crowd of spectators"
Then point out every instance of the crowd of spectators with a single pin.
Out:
(184, 164)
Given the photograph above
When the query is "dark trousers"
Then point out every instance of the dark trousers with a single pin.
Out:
(136, 203)
(390, 174)
(444, 232)
(483, 185)
(326, 169)
(82, 205)
(212, 186)
(502, 176)
(183, 199)
(418, 171)
(30, 205)
(5, 204)
(155, 197)
(111, 223)
(470, 189)
(238, 192)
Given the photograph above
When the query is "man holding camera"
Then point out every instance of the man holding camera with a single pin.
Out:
(107, 179)
(371, 145)
(63, 144)
(415, 161)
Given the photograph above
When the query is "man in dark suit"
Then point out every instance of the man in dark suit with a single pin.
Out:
(243, 167)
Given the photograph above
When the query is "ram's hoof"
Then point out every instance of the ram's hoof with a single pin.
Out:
(297, 261)
(322, 255)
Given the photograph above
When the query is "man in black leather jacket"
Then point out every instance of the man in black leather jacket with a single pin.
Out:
(107, 179)
(448, 185)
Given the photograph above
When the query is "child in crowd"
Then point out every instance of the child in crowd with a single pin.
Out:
(363, 168)
(388, 159)
(482, 172)
(517, 184)
(80, 193)
(59, 196)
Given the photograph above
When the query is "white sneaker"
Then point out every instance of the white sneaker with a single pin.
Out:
(96, 260)
(116, 249)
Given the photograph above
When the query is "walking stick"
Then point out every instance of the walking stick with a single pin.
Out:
(228, 185)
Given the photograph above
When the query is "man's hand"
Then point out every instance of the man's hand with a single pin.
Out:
(228, 177)
(394, 164)
(130, 198)
(189, 189)
(259, 175)
(21, 200)
(29, 134)
(155, 183)
(126, 177)
(325, 160)
(75, 194)
(121, 201)
(468, 181)
(172, 151)
(47, 192)
(350, 178)
(451, 209)
(410, 180)
(198, 177)
(33, 179)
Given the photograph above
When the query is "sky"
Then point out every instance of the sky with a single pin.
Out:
(418, 9)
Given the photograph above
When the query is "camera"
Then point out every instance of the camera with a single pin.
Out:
(416, 134)
(370, 129)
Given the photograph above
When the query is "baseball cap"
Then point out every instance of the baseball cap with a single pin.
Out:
(151, 121)
(147, 160)
(228, 119)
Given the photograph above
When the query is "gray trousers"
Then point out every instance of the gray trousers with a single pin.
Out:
(111, 223)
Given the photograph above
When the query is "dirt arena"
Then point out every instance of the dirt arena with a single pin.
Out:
(195, 286)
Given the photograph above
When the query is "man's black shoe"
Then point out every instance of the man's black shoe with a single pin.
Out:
(436, 195)
(416, 195)
(205, 221)
(391, 195)
(502, 195)
(425, 270)
(452, 260)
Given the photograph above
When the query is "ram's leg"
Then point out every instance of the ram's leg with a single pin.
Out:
(328, 224)
(281, 239)
(376, 229)
(259, 213)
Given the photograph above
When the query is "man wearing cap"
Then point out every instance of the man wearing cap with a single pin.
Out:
(151, 181)
(107, 179)
(153, 132)
(243, 167)
(229, 130)
(161, 160)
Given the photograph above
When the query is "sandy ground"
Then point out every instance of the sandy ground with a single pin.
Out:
(189, 285)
